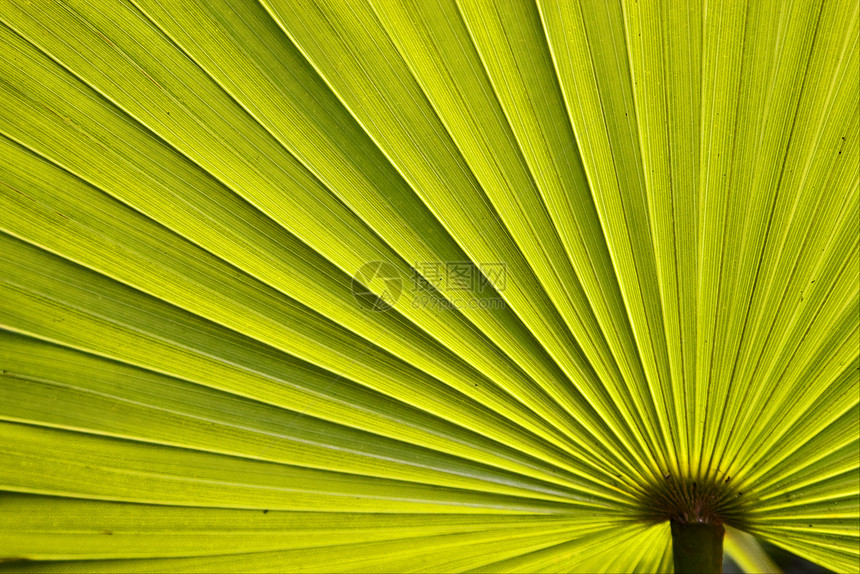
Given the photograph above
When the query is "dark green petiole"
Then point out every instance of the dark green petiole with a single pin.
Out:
(697, 547)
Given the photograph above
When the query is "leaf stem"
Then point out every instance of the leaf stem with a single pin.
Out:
(697, 547)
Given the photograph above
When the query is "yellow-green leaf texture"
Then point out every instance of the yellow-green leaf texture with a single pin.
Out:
(670, 189)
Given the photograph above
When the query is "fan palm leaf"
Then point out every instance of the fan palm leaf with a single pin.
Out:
(451, 285)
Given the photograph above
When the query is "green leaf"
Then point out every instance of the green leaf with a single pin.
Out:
(621, 259)
(748, 553)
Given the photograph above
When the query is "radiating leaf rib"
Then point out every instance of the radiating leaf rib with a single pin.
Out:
(110, 469)
(380, 210)
(817, 548)
(767, 106)
(832, 202)
(538, 401)
(154, 408)
(175, 281)
(664, 50)
(477, 124)
(55, 530)
(810, 428)
(63, 522)
(393, 111)
(500, 174)
(410, 554)
(722, 74)
(176, 343)
(586, 44)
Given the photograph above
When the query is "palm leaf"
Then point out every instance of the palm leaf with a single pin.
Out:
(655, 206)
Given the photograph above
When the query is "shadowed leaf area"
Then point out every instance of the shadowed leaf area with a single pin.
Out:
(442, 285)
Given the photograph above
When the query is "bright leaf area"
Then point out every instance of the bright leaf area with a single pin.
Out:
(650, 207)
